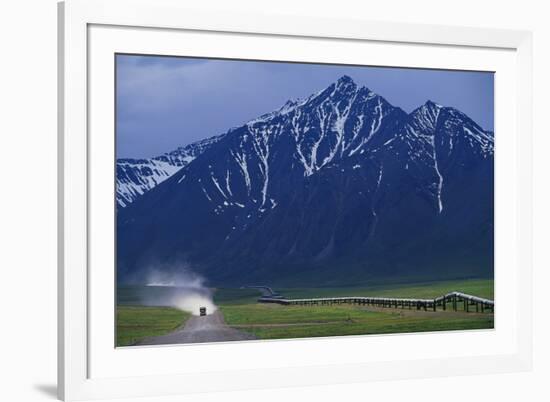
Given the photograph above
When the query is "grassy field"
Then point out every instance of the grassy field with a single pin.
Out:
(137, 322)
(272, 321)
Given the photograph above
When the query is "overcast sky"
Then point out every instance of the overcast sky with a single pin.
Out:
(166, 102)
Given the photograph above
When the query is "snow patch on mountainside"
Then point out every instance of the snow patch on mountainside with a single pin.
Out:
(134, 177)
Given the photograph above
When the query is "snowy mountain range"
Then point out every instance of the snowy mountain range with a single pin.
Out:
(340, 187)
(134, 177)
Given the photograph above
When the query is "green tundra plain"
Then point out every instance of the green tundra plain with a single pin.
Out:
(134, 322)
(241, 310)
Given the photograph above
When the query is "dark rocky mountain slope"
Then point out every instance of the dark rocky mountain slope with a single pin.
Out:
(338, 188)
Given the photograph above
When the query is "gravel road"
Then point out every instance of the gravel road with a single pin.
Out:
(210, 328)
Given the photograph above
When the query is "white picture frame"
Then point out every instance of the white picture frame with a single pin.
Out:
(89, 368)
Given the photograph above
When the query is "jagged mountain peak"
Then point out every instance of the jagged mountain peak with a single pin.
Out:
(426, 116)
(345, 79)
(345, 85)
(431, 111)
(432, 105)
(341, 94)
(323, 180)
(336, 122)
